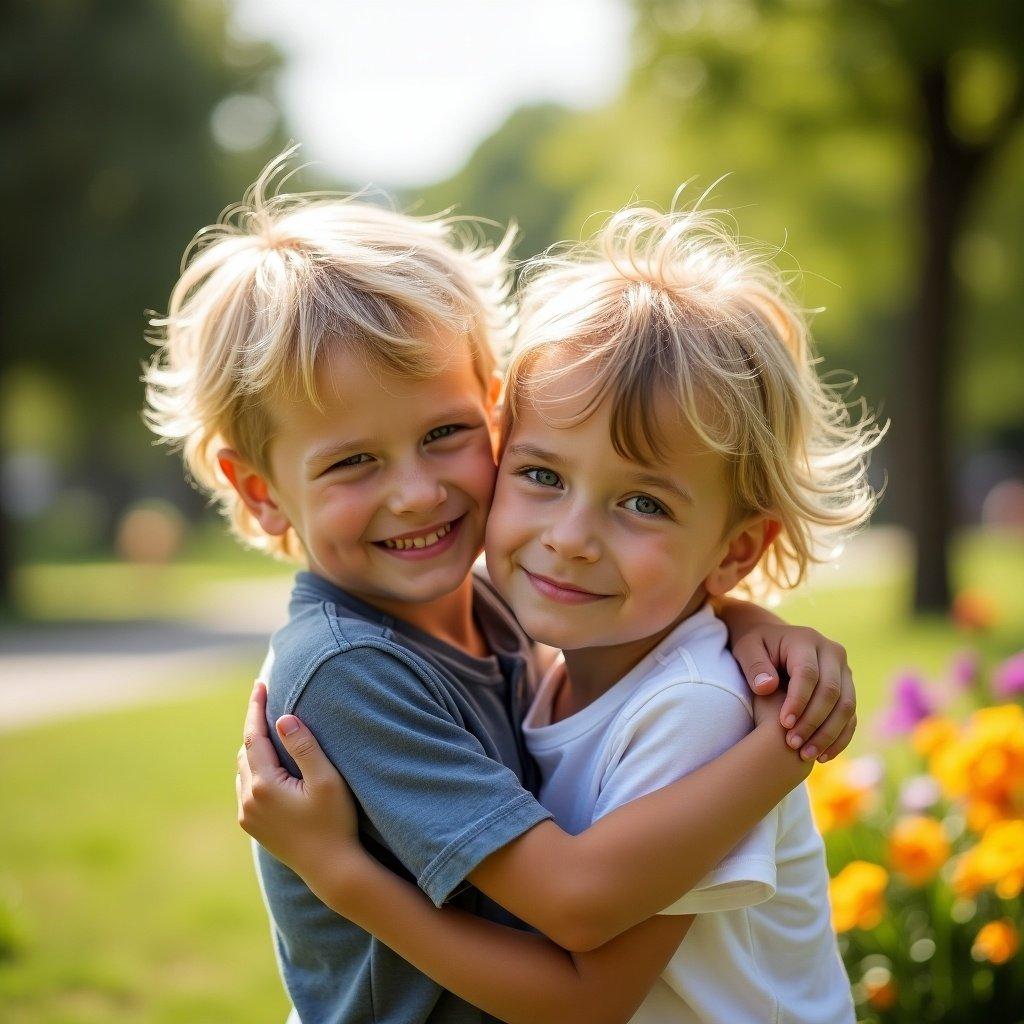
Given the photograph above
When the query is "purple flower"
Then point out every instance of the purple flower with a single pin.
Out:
(1008, 680)
(964, 669)
(910, 703)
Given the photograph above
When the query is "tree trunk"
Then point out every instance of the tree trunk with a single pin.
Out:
(924, 421)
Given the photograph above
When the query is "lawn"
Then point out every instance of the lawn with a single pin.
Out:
(126, 889)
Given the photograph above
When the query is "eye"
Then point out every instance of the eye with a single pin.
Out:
(353, 460)
(440, 432)
(544, 477)
(645, 505)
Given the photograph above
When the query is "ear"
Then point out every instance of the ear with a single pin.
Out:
(254, 490)
(747, 545)
(494, 410)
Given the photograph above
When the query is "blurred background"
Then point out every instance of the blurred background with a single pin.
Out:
(877, 143)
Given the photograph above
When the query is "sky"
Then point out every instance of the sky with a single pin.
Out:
(399, 92)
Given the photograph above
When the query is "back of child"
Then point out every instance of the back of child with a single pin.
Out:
(657, 370)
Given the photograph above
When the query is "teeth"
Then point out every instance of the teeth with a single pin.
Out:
(425, 541)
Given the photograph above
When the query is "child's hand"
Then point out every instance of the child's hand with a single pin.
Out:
(767, 710)
(820, 706)
(305, 823)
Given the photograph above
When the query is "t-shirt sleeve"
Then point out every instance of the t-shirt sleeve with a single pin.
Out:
(673, 732)
(424, 781)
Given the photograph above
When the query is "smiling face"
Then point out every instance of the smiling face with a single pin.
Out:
(593, 549)
(389, 483)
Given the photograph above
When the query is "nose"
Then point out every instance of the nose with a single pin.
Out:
(572, 535)
(416, 491)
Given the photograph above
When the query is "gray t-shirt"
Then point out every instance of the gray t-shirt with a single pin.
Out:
(427, 738)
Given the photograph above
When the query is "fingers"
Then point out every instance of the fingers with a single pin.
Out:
(305, 751)
(756, 664)
(826, 736)
(823, 705)
(841, 742)
(260, 754)
(802, 668)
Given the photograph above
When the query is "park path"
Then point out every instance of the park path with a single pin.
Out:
(52, 672)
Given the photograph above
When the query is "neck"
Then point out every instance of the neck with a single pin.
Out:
(448, 618)
(592, 671)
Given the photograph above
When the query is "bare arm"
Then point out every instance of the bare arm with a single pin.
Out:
(510, 974)
(583, 890)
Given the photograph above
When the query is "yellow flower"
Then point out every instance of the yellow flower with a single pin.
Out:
(985, 765)
(918, 848)
(838, 796)
(857, 894)
(996, 861)
(996, 942)
(933, 733)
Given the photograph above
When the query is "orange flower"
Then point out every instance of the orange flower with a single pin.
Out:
(996, 942)
(881, 996)
(918, 848)
(838, 796)
(985, 765)
(857, 894)
(996, 861)
(974, 610)
(933, 733)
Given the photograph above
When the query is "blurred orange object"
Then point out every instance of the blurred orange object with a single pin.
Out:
(839, 796)
(918, 848)
(997, 942)
(974, 610)
(857, 894)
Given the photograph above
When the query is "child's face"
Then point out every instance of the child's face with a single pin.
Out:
(590, 548)
(389, 484)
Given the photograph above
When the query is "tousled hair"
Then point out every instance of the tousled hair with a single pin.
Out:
(279, 280)
(674, 305)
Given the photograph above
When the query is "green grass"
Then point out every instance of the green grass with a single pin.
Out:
(126, 890)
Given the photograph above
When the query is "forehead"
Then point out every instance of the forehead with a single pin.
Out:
(352, 388)
(561, 410)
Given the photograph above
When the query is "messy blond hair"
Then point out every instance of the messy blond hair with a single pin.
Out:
(674, 305)
(279, 279)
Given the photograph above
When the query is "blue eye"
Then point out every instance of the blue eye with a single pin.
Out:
(439, 432)
(544, 477)
(645, 506)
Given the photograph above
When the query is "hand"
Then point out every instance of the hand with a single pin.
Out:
(820, 707)
(307, 822)
(767, 709)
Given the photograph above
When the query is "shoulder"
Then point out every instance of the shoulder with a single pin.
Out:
(323, 649)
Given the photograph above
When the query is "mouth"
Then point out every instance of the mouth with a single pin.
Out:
(425, 543)
(564, 593)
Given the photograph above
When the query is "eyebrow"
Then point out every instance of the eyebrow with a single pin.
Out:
(531, 451)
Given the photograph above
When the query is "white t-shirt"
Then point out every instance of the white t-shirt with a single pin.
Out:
(762, 947)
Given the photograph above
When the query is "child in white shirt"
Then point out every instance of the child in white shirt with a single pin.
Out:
(664, 438)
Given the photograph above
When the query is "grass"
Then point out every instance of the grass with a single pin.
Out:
(126, 890)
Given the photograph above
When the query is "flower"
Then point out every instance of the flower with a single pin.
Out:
(857, 895)
(911, 704)
(932, 733)
(918, 848)
(918, 793)
(974, 610)
(1008, 680)
(964, 669)
(996, 942)
(840, 792)
(997, 861)
(985, 765)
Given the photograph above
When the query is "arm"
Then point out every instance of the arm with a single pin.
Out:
(820, 708)
(582, 890)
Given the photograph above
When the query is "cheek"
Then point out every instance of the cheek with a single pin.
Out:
(513, 520)
(473, 471)
(656, 568)
(345, 513)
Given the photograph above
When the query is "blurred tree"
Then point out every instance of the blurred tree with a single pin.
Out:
(944, 82)
(864, 131)
(123, 125)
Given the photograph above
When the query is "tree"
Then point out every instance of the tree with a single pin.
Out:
(109, 165)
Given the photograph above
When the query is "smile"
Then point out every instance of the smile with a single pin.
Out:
(564, 593)
(425, 543)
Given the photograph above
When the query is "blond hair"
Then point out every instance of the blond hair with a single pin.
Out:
(279, 279)
(672, 304)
